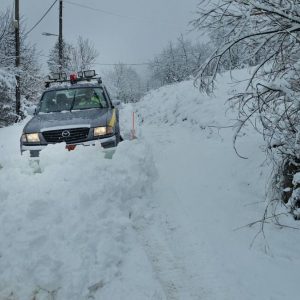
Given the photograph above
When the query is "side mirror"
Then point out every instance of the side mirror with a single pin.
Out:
(116, 102)
(31, 110)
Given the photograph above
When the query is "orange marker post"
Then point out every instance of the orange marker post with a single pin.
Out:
(133, 127)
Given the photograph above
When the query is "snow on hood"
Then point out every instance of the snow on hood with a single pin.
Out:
(67, 119)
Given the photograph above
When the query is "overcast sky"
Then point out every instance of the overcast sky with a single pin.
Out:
(129, 31)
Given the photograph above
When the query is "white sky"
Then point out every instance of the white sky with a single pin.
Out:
(148, 27)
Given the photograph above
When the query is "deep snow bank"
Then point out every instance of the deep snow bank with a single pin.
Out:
(183, 104)
(66, 222)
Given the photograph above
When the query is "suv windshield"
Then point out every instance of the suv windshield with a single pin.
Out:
(73, 99)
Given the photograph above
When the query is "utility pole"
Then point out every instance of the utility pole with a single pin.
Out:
(17, 52)
(60, 37)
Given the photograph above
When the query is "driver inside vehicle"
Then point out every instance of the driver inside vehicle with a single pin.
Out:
(90, 98)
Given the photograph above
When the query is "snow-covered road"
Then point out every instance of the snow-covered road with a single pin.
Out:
(203, 193)
(155, 222)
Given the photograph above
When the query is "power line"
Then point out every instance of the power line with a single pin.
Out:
(41, 19)
(148, 20)
(98, 9)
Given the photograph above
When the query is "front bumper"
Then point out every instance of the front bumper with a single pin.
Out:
(107, 142)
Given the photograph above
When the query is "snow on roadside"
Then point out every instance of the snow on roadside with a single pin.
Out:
(183, 104)
(65, 222)
(204, 193)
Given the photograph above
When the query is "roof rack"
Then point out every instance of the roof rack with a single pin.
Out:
(73, 79)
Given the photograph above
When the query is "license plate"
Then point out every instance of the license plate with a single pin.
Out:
(70, 147)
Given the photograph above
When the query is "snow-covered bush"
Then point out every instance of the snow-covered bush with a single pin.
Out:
(294, 192)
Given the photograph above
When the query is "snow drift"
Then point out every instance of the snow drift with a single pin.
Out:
(65, 221)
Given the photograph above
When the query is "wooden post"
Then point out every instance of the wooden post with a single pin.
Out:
(60, 36)
(17, 52)
(133, 127)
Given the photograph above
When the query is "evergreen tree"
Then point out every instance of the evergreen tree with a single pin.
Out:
(66, 63)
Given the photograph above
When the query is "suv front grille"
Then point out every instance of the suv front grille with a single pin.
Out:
(71, 135)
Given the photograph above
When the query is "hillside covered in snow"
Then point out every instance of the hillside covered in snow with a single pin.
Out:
(163, 219)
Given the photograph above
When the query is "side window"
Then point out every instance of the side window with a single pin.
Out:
(48, 102)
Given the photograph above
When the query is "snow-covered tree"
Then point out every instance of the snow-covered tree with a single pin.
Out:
(178, 62)
(7, 39)
(124, 83)
(267, 32)
(7, 101)
(32, 82)
(83, 55)
(29, 69)
(78, 57)
(66, 63)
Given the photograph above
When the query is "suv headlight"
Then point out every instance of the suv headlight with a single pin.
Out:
(32, 138)
(98, 131)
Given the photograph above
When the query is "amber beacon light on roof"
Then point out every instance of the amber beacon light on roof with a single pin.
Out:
(73, 78)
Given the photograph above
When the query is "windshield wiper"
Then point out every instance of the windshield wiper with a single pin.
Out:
(49, 112)
(85, 108)
(73, 102)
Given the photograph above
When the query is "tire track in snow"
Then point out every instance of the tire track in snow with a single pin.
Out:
(170, 273)
(156, 234)
(163, 263)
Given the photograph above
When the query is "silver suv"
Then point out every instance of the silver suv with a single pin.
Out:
(78, 111)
